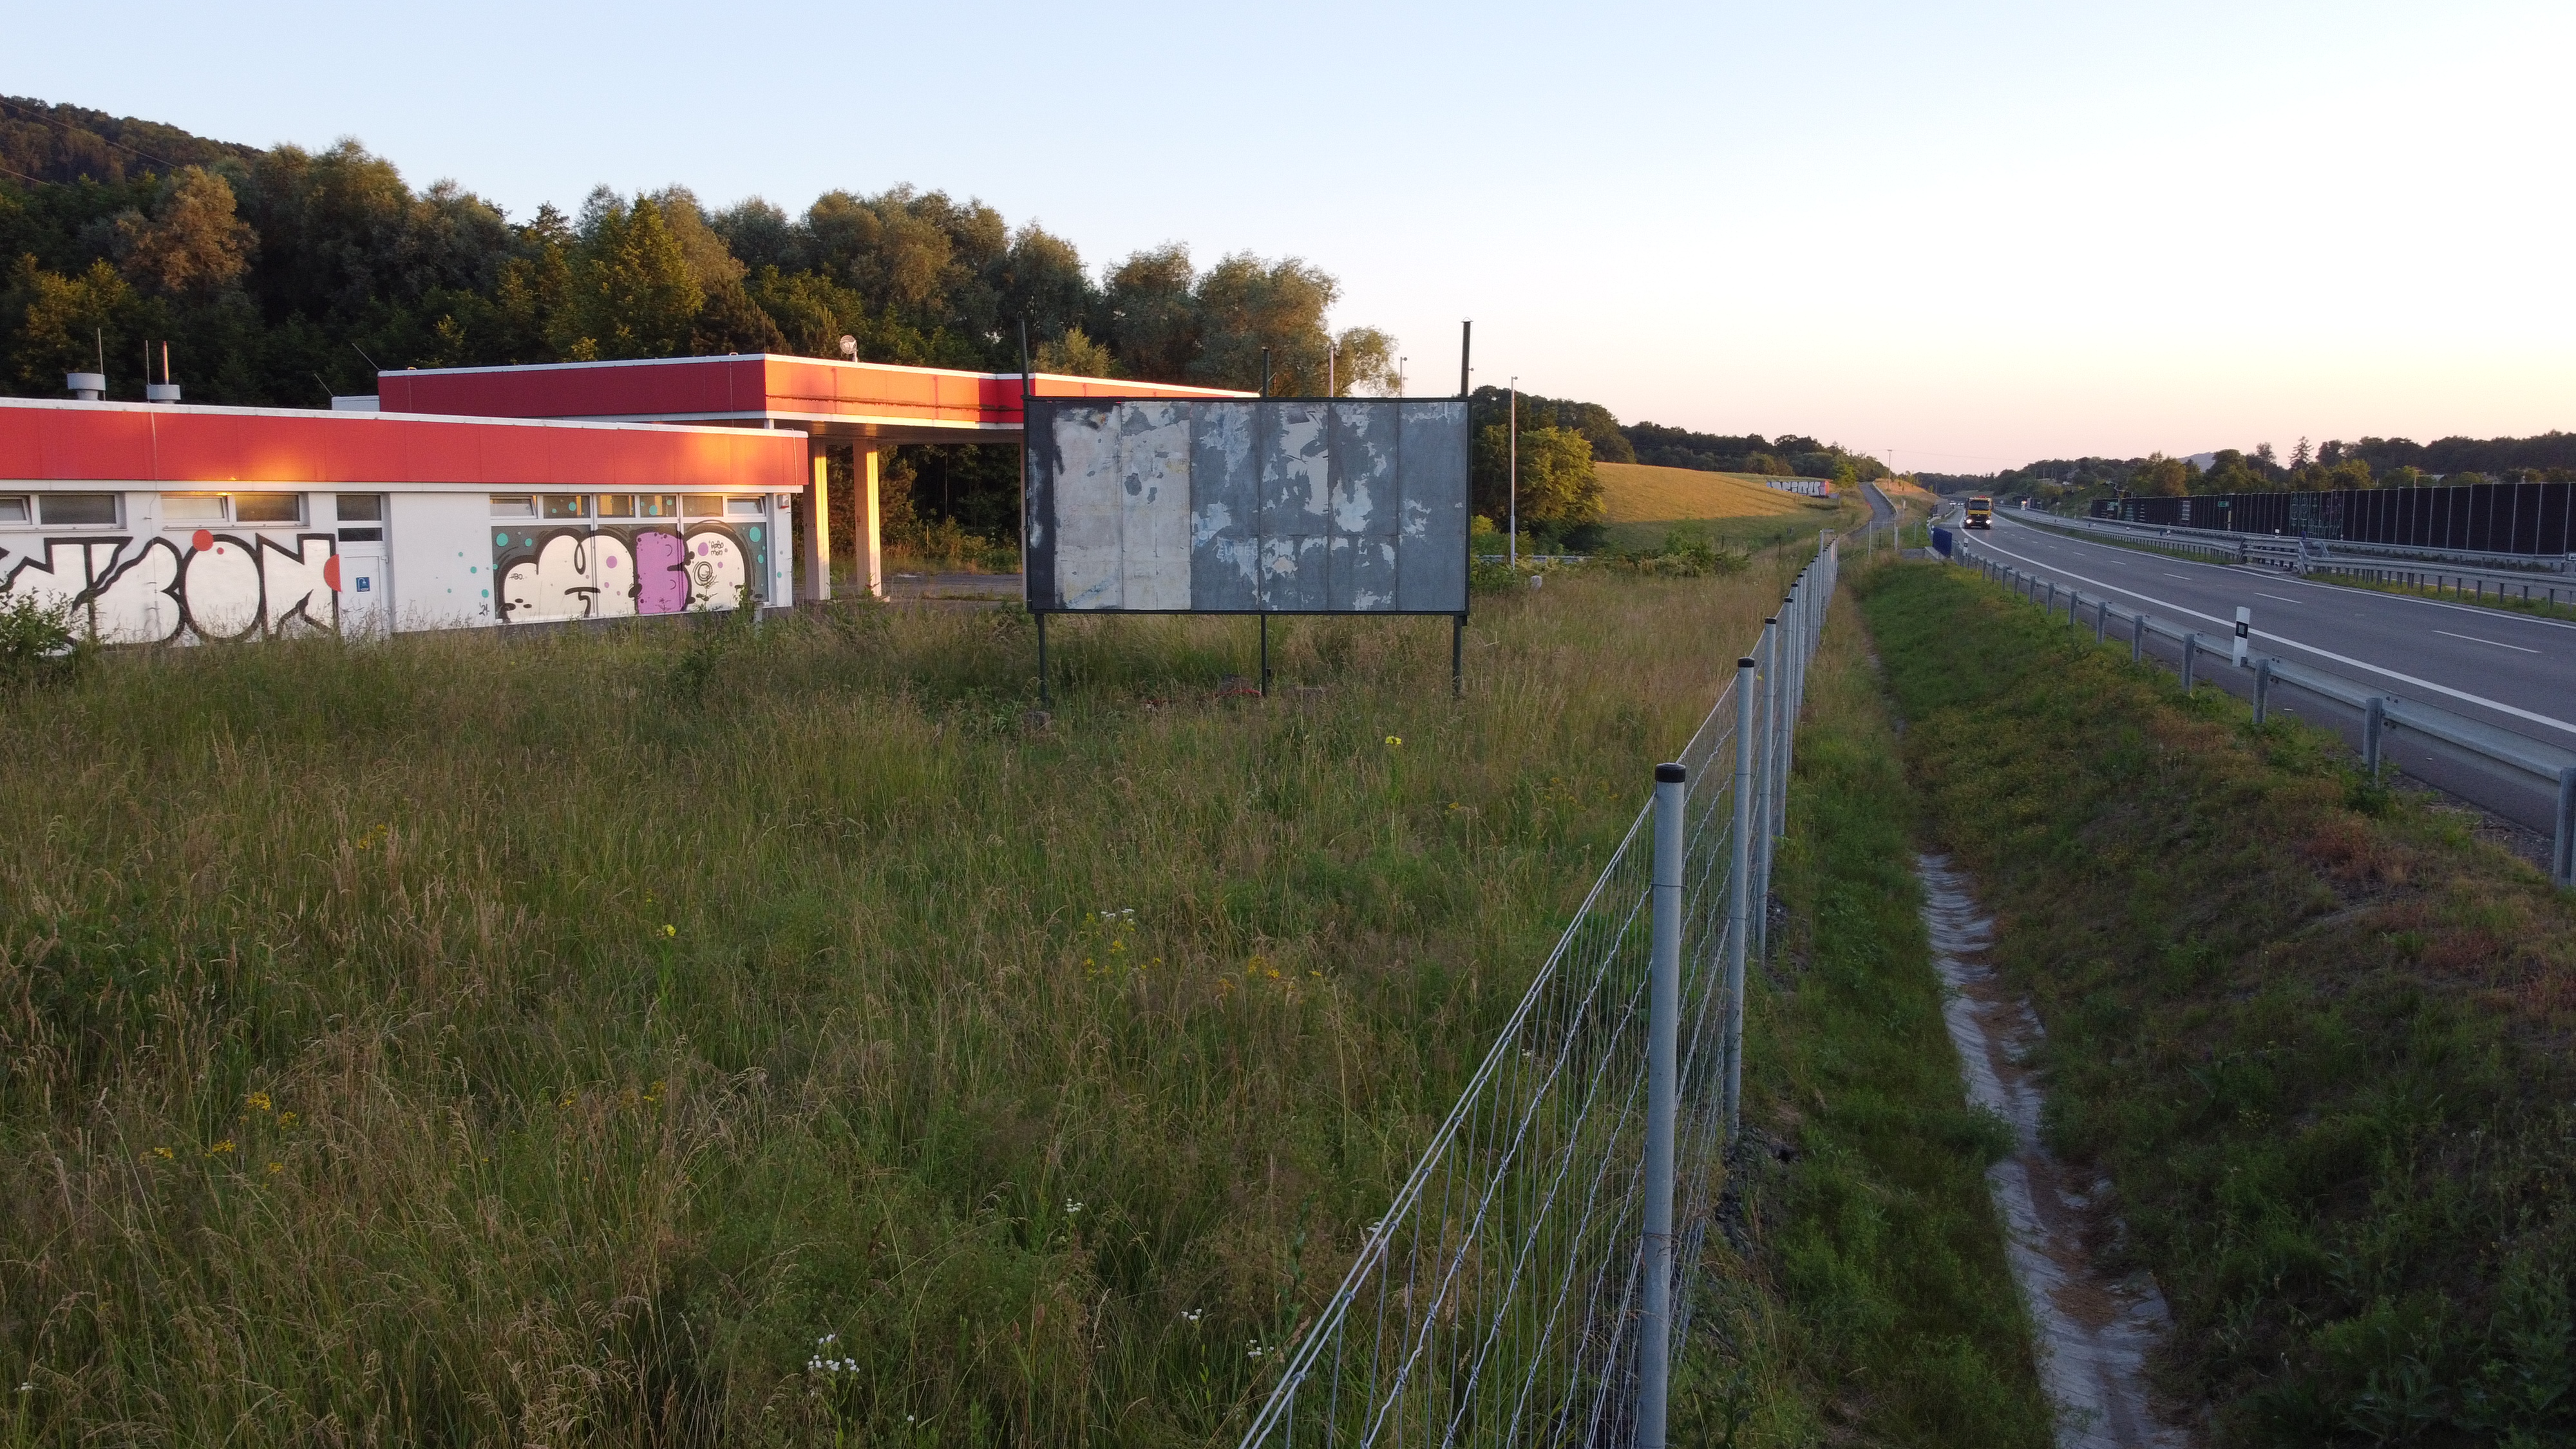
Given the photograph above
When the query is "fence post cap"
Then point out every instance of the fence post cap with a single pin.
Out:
(1670, 774)
(1744, 662)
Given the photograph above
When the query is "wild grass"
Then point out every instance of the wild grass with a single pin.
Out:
(1875, 1305)
(710, 1032)
(2314, 1033)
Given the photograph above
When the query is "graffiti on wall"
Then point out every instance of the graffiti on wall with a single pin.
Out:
(614, 573)
(167, 589)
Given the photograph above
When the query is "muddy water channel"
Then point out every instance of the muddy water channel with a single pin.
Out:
(2094, 1328)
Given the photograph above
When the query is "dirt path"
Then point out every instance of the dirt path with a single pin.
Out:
(2094, 1329)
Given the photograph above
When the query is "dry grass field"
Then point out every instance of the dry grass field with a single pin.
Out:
(1643, 493)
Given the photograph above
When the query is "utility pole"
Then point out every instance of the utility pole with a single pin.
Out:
(1513, 426)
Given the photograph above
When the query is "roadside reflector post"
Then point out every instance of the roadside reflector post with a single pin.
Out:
(1663, 1037)
(2563, 869)
(2262, 689)
(2244, 632)
(2374, 723)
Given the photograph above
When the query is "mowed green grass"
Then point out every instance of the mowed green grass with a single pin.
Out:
(695, 1034)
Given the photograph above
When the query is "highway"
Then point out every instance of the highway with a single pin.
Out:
(2509, 670)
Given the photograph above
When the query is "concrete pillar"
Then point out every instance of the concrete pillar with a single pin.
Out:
(817, 583)
(871, 549)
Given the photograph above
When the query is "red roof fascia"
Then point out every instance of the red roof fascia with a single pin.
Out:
(125, 443)
(756, 385)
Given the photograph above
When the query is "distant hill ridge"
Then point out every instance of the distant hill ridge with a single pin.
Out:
(70, 144)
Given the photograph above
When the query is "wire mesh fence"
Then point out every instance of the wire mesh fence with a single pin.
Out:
(1539, 1266)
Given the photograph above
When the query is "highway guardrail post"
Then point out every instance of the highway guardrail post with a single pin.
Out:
(2262, 688)
(2101, 618)
(2374, 722)
(2190, 657)
(2138, 639)
(2563, 862)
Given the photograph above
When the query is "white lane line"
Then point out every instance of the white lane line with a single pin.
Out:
(2186, 578)
(2474, 639)
(2478, 699)
(2290, 582)
(2258, 593)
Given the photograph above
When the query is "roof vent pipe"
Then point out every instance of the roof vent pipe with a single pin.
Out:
(87, 386)
(164, 391)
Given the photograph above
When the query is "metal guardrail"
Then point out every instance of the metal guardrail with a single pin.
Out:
(2381, 710)
(2434, 569)
(1538, 1271)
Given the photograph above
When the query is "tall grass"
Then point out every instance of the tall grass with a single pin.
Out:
(2312, 1031)
(764, 1034)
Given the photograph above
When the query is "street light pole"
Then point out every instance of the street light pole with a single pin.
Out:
(1513, 426)
(1399, 375)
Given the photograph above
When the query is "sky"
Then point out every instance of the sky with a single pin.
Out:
(1964, 235)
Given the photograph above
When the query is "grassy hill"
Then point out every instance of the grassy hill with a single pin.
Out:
(1644, 493)
(1646, 503)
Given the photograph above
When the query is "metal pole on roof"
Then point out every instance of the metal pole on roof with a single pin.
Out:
(1466, 336)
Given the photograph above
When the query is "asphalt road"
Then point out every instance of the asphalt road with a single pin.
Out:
(2509, 670)
(1880, 510)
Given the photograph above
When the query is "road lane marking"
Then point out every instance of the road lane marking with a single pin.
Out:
(2298, 583)
(2186, 578)
(2258, 593)
(2474, 639)
(2478, 699)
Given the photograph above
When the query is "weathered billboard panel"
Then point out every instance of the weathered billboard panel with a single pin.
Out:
(1235, 506)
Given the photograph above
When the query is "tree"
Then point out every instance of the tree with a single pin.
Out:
(631, 291)
(1558, 488)
(2300, 456)
(192, 244)
(2163, 477)
(1075, 355)
(1246, 305)
(1153, 312)
(66, 323)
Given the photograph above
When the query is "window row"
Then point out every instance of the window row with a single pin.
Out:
(625, 505)
(178, 510)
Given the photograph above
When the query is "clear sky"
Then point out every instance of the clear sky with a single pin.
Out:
(1971, 233)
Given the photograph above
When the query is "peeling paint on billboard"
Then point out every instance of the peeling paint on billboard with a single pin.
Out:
(1234, 506)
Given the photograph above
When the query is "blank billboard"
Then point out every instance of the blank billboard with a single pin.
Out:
(1234, 506)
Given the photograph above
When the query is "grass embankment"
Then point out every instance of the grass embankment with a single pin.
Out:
(1879, 1308)
(1643, 505)
(2315, 1033)
(665, 1035)
(2538, 606)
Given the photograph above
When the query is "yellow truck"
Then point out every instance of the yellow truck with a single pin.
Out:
(1981, 513)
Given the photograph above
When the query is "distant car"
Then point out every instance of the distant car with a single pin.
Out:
(1981, 513)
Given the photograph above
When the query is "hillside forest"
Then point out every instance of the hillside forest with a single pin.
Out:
(279, 277)
(2368, 463)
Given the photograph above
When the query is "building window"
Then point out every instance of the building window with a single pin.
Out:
(742, 508)
(514, 505)
(567, 505)
(362, 508)
(16, 508)
(78, 510)
(701, 505)
(190, 508)
(617, 505)
(268, 508)
(658, 505)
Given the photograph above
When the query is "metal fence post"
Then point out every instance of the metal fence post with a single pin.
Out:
(1740, 898)
(1771, 636)
(2563, 874)
(2262, 688)
(2374, 721)
(1663, 1036)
